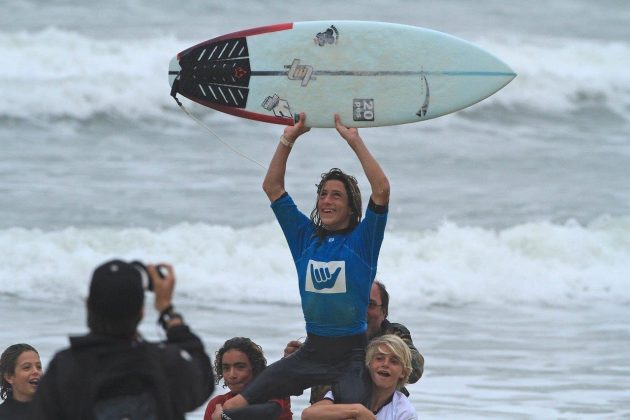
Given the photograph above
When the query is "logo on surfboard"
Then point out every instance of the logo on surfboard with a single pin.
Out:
(427, 96)
(279, 107)
(363, 109)
(300, 72)
(239, 72)
(329, 36)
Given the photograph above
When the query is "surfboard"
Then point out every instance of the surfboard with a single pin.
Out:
(371, 73)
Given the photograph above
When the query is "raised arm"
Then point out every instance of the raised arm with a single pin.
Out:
(273, 185)
(375, 175)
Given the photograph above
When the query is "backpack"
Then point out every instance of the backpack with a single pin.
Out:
(129, 383)
(127, 407)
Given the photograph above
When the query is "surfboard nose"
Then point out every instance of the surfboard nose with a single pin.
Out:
(509, 72)
(173, 70)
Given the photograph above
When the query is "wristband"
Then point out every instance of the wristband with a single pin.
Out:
(286, 142)
(167, 315)
(225, 416)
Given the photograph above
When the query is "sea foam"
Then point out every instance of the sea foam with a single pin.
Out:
(535, 263)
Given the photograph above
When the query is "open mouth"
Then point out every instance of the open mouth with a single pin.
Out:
(383, 373)
(34, 382)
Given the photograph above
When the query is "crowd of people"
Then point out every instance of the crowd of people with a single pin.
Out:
(354, 359)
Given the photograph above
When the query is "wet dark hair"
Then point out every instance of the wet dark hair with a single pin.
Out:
(384, 297)
(354, 198)
(8, 363)
(252, 350)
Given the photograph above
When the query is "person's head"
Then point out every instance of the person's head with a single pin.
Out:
(238, 361)
(20, 372)
(378, 308)
(116, 299)
(388, 359)
(338, 204)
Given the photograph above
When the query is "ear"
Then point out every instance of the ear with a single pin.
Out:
(9, 378)
(402, 377)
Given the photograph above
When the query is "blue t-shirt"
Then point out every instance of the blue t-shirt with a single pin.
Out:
(335, 275)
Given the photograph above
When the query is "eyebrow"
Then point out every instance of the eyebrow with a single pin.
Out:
(340, 190)
(234, 364)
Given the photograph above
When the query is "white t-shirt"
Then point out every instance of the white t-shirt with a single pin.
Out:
(399, 408)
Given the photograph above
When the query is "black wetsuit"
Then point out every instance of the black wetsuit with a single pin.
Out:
(12, 409)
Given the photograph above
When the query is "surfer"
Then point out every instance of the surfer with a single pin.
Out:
(335, 254)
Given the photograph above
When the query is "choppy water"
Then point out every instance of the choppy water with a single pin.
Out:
(508, 244)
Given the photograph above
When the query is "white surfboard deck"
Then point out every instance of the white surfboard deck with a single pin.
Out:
(371, 73)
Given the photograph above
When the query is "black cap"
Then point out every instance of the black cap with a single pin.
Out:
(116, 290)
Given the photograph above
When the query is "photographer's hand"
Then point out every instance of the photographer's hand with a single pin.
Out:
(163, 278)
(163, 285)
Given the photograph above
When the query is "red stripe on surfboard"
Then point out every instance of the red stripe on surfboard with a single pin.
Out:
(239, 112)
(247, 32)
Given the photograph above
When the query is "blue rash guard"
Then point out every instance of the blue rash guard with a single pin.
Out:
(335, 274)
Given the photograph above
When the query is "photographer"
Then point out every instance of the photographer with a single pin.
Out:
(112, 372)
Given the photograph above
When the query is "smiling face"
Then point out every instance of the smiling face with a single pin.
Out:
(237, 370)
(333, 206)
(386, 369)
(28, 371)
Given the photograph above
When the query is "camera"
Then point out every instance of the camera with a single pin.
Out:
(147, 283)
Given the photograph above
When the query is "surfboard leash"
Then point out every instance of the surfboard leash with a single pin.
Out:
(198, 121)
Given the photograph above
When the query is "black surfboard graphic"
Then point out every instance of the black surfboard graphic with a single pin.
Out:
(218, 73)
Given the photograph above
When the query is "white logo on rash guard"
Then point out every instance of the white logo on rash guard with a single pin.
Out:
(326, 277)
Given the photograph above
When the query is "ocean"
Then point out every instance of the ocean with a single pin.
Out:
(507, 251)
